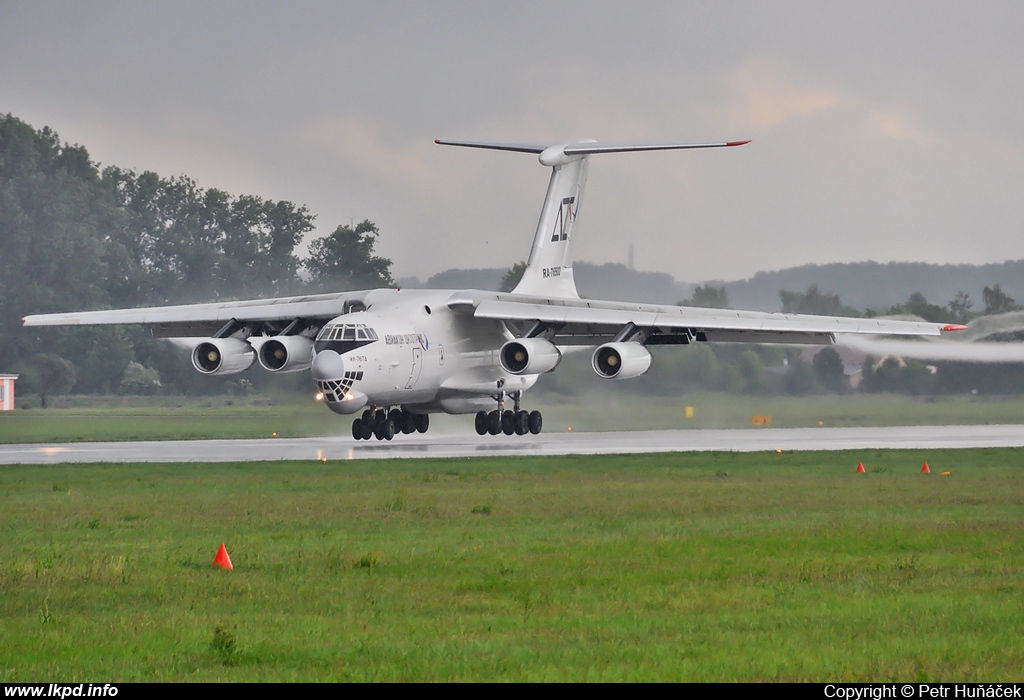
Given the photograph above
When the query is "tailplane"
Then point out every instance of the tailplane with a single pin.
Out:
(549, 267)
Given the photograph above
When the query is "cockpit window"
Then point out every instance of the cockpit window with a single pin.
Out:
(346, 331)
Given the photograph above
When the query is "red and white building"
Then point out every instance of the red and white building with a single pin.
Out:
(7, 391)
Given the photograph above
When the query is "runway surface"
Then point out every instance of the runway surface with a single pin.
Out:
(448, 445)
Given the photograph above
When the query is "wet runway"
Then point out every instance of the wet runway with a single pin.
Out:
(472, 445)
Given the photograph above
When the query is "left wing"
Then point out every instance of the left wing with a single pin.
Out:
(584, 321)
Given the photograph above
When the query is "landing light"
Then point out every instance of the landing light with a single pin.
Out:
(319, 396)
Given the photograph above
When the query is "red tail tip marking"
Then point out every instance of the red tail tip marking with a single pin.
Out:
(954, 327)
(737, 143)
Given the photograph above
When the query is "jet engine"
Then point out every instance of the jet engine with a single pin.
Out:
(529, 356)
(621, 360)
(286, 353)
(223, 356)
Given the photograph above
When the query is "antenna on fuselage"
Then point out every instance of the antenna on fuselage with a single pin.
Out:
(549, 267)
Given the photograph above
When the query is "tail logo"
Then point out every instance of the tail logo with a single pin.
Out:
(566, 216)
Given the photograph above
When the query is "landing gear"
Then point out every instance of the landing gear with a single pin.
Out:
(385, 424)
(509, 422)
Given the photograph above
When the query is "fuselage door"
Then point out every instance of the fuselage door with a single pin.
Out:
(417, 366)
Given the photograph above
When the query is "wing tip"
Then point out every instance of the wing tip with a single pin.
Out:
(738, 143)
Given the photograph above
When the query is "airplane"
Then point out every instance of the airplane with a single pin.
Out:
(399, 355)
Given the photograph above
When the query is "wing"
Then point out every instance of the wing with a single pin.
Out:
(206, 320)
(585, 322)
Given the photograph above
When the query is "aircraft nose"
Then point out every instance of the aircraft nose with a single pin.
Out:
(327, 366)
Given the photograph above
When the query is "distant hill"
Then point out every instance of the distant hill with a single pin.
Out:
(860, 285)
(875, 285)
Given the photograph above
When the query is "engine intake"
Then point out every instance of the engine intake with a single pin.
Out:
(286, 353)
(621, 360)
(529, 356)
(223, 356)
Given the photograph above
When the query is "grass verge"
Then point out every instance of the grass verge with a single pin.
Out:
(681, 567)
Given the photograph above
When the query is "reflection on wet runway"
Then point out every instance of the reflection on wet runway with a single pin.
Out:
(442, 446)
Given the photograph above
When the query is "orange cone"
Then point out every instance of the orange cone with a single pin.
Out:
(222, 559)
(860, 468)
(925, 469)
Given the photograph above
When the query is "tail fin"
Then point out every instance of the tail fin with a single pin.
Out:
(549, 267)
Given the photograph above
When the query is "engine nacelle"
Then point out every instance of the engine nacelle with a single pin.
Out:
(529, 356)
(621, 360)
(286, 353)
(223, 356)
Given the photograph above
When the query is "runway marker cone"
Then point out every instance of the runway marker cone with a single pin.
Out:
(222, 559)
(926, 469)
(860, 468)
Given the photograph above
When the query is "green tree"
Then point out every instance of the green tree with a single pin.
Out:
(344, 260)
(56, 375)
(512, 276)
(960, 307)
(828, 368)
(814, 301)
(139, 379)
(997, 301)
(708, 297)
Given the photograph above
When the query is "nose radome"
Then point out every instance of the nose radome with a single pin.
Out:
(327, 366)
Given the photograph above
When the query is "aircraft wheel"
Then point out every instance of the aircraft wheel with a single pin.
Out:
(378, 430)
(367, 428)
(536, 422)
(422, 422)
(357, 429)
(508, 422)
(494, 422)
(368, 417)
(389, 428)
(481, 423)
(408, 422)
(522, 421)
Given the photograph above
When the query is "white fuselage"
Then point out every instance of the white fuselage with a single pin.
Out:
(409, 349)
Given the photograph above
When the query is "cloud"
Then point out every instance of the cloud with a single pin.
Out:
(897, 125)
(767, 95)
(362, 143)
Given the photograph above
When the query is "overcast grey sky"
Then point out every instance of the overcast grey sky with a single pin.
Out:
(881, 130)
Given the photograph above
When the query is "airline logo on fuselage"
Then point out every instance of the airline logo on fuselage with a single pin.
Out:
(407, 339)
(563, 222)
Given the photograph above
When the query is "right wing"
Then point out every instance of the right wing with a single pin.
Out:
(205, 320)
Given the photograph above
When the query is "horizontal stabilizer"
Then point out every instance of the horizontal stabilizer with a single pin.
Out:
(586, 148)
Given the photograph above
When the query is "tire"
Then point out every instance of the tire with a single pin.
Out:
(357, 428)
(508, 422)
(536, 422)
(522, 421)
(422, 422)
(481, 423)
(408, 423)
(367, 429)
(389, 428)
(494, 422)
(368, 416)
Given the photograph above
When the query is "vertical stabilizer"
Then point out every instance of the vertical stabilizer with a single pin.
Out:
(549, 267)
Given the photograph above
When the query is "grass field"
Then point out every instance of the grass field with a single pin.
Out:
(166, 418)
(698, 567)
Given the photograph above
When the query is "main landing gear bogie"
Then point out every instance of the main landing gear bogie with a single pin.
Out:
(385, 424)
(508, 422)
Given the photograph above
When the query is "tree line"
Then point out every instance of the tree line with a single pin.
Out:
(75, 236)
